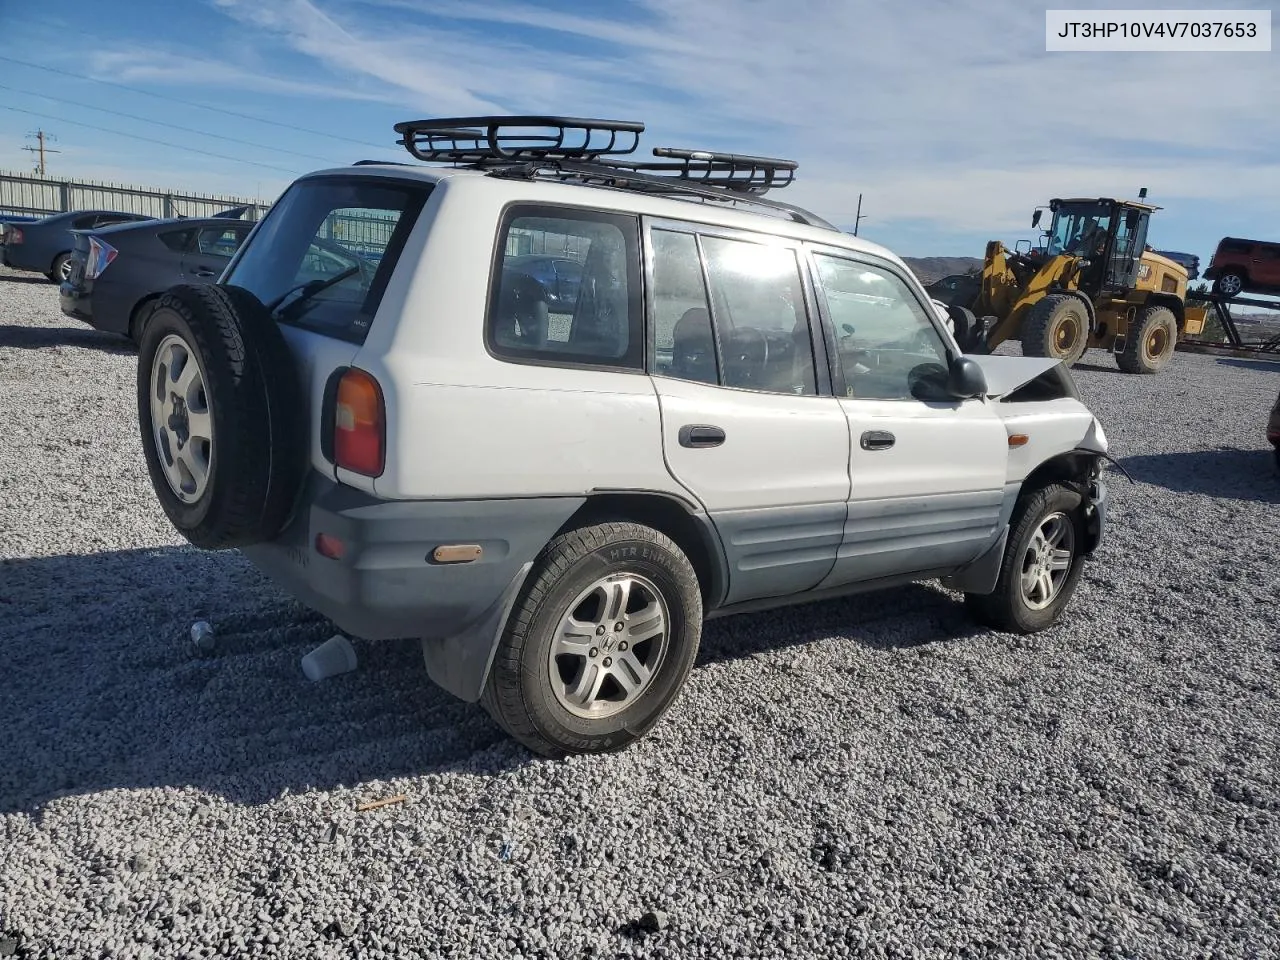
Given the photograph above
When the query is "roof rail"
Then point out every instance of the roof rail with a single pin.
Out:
(623, 178)
(733, 171)
(487, 139)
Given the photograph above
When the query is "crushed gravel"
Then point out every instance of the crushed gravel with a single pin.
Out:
(870, 777)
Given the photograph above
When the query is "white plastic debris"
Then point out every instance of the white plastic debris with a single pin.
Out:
(334, 656)
(202, 635)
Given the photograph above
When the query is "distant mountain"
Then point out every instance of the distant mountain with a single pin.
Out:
(929, 269)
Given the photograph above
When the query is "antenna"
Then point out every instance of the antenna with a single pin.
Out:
(40, 137)
(858, 217)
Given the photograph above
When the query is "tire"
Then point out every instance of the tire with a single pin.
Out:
(235, 486)
(1008, 608)
(1057, 326)
(1230, 283)
(1150, 342)
(61, 268)
(529, 693)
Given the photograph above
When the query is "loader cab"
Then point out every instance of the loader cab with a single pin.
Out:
(1109, 234)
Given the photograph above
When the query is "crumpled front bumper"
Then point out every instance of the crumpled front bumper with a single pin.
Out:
(1095, 515)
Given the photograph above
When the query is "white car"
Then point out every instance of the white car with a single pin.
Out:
(728, 406)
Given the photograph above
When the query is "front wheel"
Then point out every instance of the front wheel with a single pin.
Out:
(1056, 326)
(599, 644)
(1042, 564)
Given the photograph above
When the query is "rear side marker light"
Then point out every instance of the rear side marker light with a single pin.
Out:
(457, 553)
(359, 425)
(330, 546)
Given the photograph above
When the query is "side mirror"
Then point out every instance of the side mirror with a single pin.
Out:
(965, 378)
(1035, 218)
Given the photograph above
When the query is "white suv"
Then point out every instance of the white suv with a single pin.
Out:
(548, 409)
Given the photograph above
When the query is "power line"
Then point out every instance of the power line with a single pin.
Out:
(189, 103)
(136, 136)
(160, 123)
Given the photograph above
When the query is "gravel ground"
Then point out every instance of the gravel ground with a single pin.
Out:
(871, 777)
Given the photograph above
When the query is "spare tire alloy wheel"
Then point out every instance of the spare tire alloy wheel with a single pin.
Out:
(221, 416)
(182, 426)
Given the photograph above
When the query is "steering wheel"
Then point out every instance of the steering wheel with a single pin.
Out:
(750, 353)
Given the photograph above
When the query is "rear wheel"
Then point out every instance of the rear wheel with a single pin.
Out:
(1057, 326)
(1041, 566)
(1150, 343)
(61, 268)
(1229, 283)
(599, 644)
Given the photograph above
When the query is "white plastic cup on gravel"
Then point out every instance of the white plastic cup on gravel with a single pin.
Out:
(334, 656)
(202, 636)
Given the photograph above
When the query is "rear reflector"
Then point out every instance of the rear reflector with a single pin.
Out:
(330, 546)
(359, 427)
(100, 256)
(13, 236)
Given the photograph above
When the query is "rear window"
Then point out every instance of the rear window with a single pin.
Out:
(324, 253)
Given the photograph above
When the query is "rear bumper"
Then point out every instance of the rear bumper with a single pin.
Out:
(386, 585)
(76, 302)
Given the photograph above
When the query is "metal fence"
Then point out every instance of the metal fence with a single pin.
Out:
(27, 194)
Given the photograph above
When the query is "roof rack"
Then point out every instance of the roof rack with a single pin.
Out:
(586, 151)
(487, 139)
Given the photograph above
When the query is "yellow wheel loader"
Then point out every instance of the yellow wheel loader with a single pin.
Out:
(1091, 283)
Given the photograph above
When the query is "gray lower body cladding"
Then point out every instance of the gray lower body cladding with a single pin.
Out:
(386, 585)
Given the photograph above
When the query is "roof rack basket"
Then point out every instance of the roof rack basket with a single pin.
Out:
(590, 152)
(482, 140)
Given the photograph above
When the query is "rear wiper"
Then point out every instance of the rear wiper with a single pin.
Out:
(309, 289)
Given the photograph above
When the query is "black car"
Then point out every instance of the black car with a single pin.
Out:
(560, 277)
(44, 246)
(116, 272)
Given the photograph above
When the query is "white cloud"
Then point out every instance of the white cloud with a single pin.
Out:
(949, 112)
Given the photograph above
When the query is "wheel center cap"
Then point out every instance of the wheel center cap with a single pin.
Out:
(609, 642)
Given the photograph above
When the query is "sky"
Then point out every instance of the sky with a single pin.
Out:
(947, 116)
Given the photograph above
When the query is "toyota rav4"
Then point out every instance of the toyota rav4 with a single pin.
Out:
(736, 406)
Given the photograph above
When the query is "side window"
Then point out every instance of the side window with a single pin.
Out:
(219, 241)
(886, 341)
(600, 323)
(758, 307)
(176, 240)
(85, 223)
(755, 332)
(684, 346)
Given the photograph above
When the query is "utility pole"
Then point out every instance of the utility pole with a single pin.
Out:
(40, 137)
(858, 216)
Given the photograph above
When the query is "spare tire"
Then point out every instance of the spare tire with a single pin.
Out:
(221, 416)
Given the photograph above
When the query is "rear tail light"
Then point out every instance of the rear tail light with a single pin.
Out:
(13, 236)
(359, 425)
(100, 256)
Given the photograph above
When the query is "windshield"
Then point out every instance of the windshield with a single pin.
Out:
(1080, 229)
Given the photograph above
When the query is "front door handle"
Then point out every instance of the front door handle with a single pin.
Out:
(700, 435)
(206, 273)
(877, 440)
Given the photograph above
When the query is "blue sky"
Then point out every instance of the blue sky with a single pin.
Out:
(948, 115)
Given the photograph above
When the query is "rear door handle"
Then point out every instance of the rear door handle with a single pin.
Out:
(700, 435)
(877, 440)
(206, 273)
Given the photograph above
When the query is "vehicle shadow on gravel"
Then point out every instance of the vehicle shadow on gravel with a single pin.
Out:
(29, 278)
(1263, 366)
(41, 338)
(1227, 473)
(104, 690)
